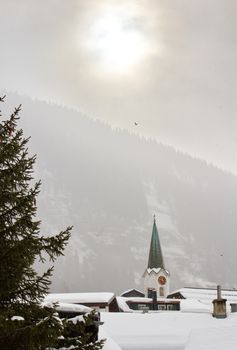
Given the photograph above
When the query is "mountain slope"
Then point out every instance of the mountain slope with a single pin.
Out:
(108, 184)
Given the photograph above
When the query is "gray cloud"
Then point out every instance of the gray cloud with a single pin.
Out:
(183, 93)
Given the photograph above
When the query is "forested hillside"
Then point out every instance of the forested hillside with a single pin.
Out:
(109, 184)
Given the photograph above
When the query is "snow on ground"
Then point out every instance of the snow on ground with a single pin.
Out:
(213, 339)
(110, 343)
(169, 330)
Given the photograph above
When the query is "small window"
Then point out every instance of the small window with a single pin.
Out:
(161, 289)
(161, 307)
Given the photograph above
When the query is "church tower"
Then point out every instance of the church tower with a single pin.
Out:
(156, 277)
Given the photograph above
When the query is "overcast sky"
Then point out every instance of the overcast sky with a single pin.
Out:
(169, 65)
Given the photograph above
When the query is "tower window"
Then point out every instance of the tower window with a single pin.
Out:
(161, 289)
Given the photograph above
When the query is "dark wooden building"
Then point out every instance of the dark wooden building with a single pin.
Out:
(146, 304)
(133, 293)
(99, 301)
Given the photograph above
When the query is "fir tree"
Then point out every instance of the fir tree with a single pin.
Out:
(24, 323)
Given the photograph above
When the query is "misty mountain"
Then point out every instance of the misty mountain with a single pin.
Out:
(108, 184)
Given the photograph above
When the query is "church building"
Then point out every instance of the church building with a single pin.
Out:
(156, 276)
(156, 283)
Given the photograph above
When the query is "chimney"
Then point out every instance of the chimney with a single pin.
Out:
(218, 292)
(219, 305)
(154, 300)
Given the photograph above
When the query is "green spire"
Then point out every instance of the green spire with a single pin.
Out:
(155, 255)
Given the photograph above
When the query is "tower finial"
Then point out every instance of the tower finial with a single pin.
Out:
(154, 217)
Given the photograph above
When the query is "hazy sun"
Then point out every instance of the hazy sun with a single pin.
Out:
(117, 43)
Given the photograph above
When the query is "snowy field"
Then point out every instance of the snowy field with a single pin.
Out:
(172, 330)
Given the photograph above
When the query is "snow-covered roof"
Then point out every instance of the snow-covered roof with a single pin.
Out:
(138, 299)
(193, 305)
(80, 298)
(207, 294)
(170, 330)
(66, 307)
(123, 305)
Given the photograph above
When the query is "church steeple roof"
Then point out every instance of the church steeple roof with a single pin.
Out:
(155, 254)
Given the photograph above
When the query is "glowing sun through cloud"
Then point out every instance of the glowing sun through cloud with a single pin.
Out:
(117, 43)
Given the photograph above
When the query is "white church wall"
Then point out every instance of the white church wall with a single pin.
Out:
(151, 281)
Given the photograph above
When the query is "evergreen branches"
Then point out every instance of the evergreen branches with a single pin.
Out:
(21, 288)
